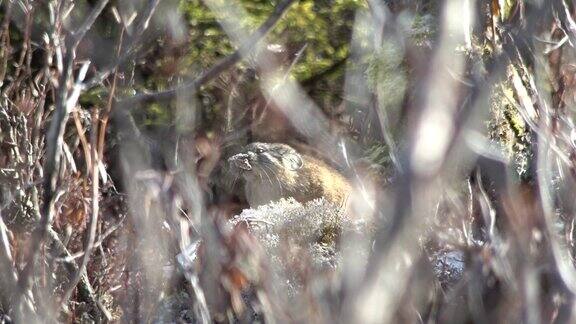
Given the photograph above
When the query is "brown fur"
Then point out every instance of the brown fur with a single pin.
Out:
(313, 179)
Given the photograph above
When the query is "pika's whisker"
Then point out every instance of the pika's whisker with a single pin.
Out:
(275, 176)
(266, 173)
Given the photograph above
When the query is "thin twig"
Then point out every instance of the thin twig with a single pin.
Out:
(566, 20)
(296, 59)
(129, 49)
(103, 237)
(10, 277)
(5, 47)
(83, 140)
(81, 32)
(92, 225)
(109, 103)
(54, 141)
(26, 49)
(248, 46)
(85, 289)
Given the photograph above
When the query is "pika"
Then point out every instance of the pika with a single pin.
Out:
(272, 171)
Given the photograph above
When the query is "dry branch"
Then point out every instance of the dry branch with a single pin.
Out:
(129, 49)
(248, 46)
(93, 222)
(65, 102)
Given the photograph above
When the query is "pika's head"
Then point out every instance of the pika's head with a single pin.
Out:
(257, 159)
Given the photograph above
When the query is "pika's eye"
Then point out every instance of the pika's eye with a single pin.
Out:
(259, 150)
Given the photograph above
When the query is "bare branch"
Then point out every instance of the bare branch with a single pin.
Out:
(6, 262)
(129, 49)
(92, 225)
(65, 101)
(71, 257)
(224, 64)
(81, 32)
(85, 289)
(566, 20)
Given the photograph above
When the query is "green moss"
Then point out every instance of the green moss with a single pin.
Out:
(508, 129)
(387, 77)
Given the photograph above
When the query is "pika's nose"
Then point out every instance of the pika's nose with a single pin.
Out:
(241, 161)
(236, 157)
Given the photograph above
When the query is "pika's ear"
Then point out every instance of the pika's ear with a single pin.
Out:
(294, 161)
